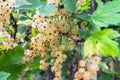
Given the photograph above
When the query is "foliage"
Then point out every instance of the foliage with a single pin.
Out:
(60, 39)
(99, 42)
(4, 75)
(107, 13)
(44, 8)
(2, 38)
(70, 5)
(105, 77)
(47, 9)
(12, 62)
(27, 4)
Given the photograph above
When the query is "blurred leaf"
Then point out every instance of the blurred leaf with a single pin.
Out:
(2, 37)
(100, 42)
(2, 48)
(44, 0)
(4, 75)
(64, 41)
(70, 5)
(28, 4)
(31, 77)
(46, 9)
(36, 63)
(68, 27)
(43, 7)
(25, 22)
(108, 60)
(21, 29)
(117, 75)
(11, 62)
(82, 33)
(18, 55)
(118, 40)
(83, 15)
(34, 32)
(104, 77)
(52, 61)
(77, 49)
(106, 13)
(86, 5)
(103, 66)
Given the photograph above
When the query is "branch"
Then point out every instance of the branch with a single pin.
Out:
(95, 77)
(48, 75)
(76, 40)
(15, 26)
(28, 32)
(73, 67)
(93, 6)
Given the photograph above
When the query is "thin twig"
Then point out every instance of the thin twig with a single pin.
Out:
(76, 40)
(15, 26)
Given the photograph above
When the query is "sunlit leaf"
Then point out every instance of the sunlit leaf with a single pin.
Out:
(2, 37)
(86, 5)
(25, 22)
(100, 42)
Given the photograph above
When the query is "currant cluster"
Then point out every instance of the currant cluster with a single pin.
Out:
(87, 69)
(8, 40)
(47, 44)
(60, 58)
(5, 10)
(48, 40)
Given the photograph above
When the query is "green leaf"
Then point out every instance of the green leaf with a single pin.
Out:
(2, 37)
(86, 5)
(34, 32)
(27, 4)
(64, 41)
(21, 29)
(104, 77)
(18, 55)
(25, 22)
(100, 42)
(36, 63)
(46, 9)
(118, 40)
(4, 75)
(70, 5)
(83, 15)
(12, 62)
(109, 70)
(107, 13)
(31, 77)
(2, 48)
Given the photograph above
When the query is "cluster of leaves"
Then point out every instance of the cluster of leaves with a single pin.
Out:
(99, 38)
